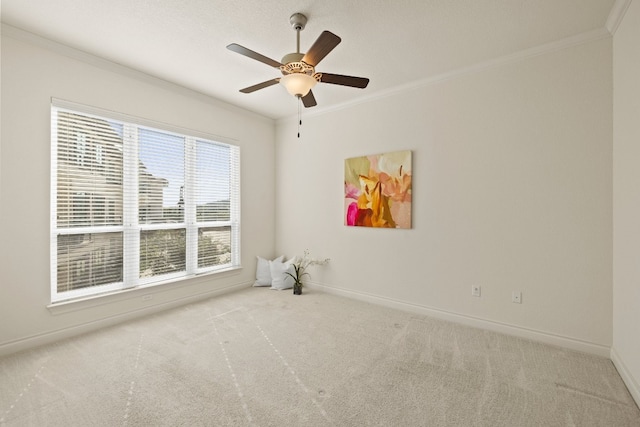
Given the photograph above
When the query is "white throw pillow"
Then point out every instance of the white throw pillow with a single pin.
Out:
(263, 272)
(279, 278)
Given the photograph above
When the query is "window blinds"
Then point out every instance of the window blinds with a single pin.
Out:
(134, 204)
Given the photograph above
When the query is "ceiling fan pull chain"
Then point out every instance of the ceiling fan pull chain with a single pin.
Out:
(299, 115)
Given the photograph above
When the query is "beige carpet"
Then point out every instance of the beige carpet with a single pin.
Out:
(269, 358)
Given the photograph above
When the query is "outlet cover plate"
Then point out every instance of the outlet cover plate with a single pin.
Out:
(516, 297)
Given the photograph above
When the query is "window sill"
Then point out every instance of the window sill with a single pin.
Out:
(145, 292)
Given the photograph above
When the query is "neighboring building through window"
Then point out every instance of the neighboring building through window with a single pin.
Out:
(133, 205)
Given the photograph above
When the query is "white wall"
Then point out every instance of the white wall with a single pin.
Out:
(33, 71)
(626, 199)
(512, 191)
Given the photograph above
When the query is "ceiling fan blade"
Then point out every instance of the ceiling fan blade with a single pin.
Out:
(309, 100)
(253, 55)
(338, 79)
(322, 46)
(260, 86)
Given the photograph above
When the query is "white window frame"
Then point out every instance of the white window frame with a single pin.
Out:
(130, 227)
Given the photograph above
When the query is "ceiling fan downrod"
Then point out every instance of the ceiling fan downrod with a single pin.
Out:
(298, 22)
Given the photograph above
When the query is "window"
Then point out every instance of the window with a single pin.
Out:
(135, 205)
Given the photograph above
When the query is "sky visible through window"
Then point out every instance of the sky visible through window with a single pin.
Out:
(212, 172)
(162, 154)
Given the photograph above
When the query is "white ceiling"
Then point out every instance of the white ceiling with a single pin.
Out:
(394, 43)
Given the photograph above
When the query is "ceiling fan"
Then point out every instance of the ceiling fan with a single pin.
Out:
(298, 70)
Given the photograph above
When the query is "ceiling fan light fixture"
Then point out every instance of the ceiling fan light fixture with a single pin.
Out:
(298, 84)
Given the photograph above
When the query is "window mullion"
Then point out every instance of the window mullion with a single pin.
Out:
(234, 203)
(131, 255)
(190, 205)
(53, 248)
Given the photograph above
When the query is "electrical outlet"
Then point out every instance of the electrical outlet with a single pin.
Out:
(516, 297)
(475, 290)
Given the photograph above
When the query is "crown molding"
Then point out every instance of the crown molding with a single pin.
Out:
(616, 15)
(558, 45)
(97, 61)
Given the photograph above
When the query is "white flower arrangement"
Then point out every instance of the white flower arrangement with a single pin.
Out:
(300, 265)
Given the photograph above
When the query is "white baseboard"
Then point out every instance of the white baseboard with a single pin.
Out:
(532, 334)
(630, 382)
(64, 333)
(561, 341)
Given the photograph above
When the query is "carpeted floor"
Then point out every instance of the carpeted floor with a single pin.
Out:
(268, 358)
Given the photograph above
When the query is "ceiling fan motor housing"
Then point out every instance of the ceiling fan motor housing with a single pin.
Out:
(292, 57)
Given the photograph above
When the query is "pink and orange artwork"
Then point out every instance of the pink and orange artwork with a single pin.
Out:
(377, 190)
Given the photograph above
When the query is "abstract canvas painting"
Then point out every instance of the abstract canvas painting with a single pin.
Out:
(377, 190)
